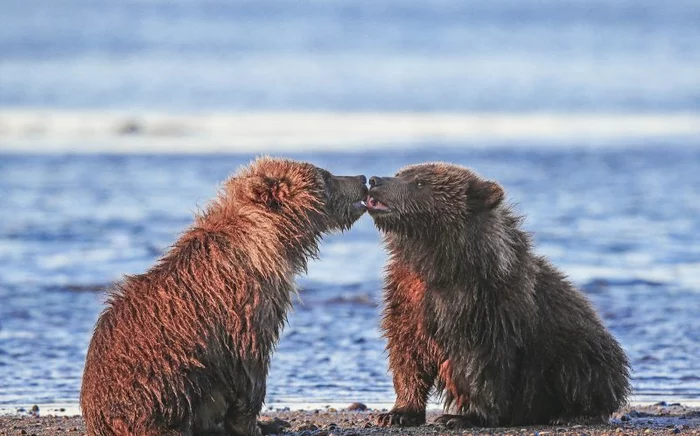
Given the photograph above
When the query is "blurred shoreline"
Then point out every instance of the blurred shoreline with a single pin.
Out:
(47, 131)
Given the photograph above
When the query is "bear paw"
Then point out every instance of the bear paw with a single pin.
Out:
(401, 418)
(455, 422)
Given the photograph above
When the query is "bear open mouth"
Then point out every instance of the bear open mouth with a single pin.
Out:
(376, 205)
(359, 204)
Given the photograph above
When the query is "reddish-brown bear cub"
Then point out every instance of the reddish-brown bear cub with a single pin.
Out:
(184, 349)
(504, 337)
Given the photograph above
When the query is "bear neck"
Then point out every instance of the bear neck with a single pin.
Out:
(485, 249)
(292, 235)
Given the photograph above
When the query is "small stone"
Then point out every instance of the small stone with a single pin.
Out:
(648, 430)
(561, 429)
(638, 414)
(35, 409)
(273, 426)
(332, 409)
(676, 430)
(308, 426)
(321, 433)
(619, 430)
(625, 417)
(357, 407)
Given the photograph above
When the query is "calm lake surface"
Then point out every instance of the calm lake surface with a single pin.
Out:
(498, 55)
(623, 223)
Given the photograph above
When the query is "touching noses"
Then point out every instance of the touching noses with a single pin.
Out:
(375, 181)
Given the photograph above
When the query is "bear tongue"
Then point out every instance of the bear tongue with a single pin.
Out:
(373, 203)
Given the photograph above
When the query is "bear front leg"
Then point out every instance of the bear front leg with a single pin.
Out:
(414, 375)
(413, 364)
(413, 354)
(242, 417)
(242, 424)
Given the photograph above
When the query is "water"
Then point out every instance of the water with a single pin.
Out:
(623, 223)
(500, 55)
(620, 218)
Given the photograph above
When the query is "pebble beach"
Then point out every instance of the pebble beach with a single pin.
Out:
(358, 420)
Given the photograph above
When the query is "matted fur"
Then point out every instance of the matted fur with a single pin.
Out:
(504, 337)
(184, 348)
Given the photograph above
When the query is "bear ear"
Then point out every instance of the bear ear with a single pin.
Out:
(269, 191)
(493, 194)
(489, 194)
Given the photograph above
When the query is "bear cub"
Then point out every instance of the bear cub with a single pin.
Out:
(184, 349)
(500, 333)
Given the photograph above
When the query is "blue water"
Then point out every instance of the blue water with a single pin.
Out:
(497, 55)
(623, 223)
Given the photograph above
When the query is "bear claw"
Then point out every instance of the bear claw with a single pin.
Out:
(401, 419)
(454, 422)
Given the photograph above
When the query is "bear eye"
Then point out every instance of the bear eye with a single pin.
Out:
(420, 183)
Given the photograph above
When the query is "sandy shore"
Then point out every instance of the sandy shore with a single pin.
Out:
(655, 419)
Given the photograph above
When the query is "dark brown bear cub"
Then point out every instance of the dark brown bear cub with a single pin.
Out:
(470, 309)
(184, 349)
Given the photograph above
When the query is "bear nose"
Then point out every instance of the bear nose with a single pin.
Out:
(375, 181)
(363, 179)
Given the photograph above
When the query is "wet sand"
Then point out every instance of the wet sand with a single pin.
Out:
(658, 419)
